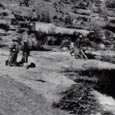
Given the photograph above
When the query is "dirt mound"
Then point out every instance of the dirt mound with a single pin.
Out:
(79, 100)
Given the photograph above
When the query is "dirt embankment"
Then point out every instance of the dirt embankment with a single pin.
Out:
(32, 91)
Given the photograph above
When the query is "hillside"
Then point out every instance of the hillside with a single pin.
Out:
(55, 81)
(69, 13)
(80, 14)
(89, 15)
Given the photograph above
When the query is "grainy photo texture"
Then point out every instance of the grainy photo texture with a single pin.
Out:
(57, 57)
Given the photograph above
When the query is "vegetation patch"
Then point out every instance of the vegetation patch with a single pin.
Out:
(79, 100)
(100, 79)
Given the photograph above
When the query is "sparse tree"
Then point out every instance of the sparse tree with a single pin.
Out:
(110, 3)
(25, 2)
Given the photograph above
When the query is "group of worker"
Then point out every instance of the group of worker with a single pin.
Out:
(19, 44)
(75, 47)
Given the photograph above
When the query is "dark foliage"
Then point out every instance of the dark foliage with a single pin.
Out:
(110, 3)
(106, 79)
(78, 100)
(2, 6)
(4, 26)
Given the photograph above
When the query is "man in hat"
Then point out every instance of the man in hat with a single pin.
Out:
(14, 50)
(81, 46)
(78, 41)
(79, 50)
(25, 51)
(75, 47)
(25, 48)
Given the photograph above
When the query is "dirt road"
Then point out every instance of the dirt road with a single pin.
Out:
(32, 91)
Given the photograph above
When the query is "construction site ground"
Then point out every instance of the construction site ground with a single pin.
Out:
(32, 91)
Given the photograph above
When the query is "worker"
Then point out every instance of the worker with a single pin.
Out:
(75, 46)
(78, 41)
(80, 51)
(25, 51)
(14, 50)
(72, 48)
(33, 15)
(25, 48)
(65, 43)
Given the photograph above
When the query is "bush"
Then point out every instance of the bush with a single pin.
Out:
(47, 0)
(79, 100)
(110, 3)
(2, 6)
(4, 26)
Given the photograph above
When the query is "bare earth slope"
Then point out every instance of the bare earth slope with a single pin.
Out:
(32, 91)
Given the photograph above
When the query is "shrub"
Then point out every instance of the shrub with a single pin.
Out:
(4, 26)
(110, 3)
(79, 100)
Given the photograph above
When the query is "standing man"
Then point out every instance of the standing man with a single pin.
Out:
(25, 51)
(79, 52)
(26, 2)
(14, 50)
(78, 41)
(72, 48)
(33, 15)
(25, 48)
(75, 46)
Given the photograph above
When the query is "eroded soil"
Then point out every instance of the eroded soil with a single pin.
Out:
(32, 91)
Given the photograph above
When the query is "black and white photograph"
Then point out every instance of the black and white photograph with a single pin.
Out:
(57, 57)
